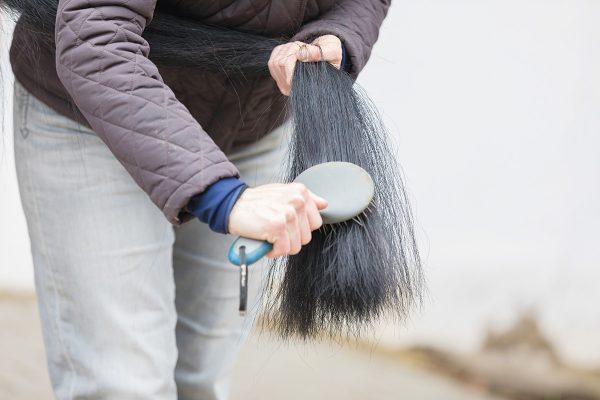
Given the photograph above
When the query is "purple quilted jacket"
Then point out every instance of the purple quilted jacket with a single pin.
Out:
(172, 132)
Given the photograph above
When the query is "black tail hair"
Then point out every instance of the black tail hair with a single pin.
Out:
(351, 274)
(175, 41)
(354, 273)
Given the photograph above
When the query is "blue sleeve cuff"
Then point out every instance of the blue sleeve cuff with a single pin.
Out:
(214, 205)
(344, 60)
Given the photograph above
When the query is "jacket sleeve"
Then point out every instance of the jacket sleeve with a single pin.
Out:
(102, 60)
(355, 22)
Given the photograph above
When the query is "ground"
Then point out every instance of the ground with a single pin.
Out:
(266, 369)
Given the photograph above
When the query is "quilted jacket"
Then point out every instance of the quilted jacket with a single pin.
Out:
(171, 132)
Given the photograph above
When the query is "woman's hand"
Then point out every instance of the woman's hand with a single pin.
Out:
(283, 58)
(282, 214)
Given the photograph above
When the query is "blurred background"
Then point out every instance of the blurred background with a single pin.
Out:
(495, 108)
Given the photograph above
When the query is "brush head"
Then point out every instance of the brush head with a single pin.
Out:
(347, 188)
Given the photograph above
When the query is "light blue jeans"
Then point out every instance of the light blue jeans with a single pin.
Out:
(131, 307)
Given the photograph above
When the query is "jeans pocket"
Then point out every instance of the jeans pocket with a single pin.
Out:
(21, 105)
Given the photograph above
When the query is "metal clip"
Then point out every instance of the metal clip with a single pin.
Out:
(243, 280)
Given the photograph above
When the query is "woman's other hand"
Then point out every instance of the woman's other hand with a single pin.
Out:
(282, 214)
(283, 58)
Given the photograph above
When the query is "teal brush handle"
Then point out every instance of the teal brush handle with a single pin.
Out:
(255, 250)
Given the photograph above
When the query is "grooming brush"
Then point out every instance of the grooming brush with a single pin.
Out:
(348, 190)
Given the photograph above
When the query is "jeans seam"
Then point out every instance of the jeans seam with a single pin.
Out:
(23, 97)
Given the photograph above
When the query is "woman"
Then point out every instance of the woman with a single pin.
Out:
(128, 195)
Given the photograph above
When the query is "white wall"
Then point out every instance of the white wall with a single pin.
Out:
(496, 107)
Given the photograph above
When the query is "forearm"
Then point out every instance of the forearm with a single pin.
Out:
(102, 60)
